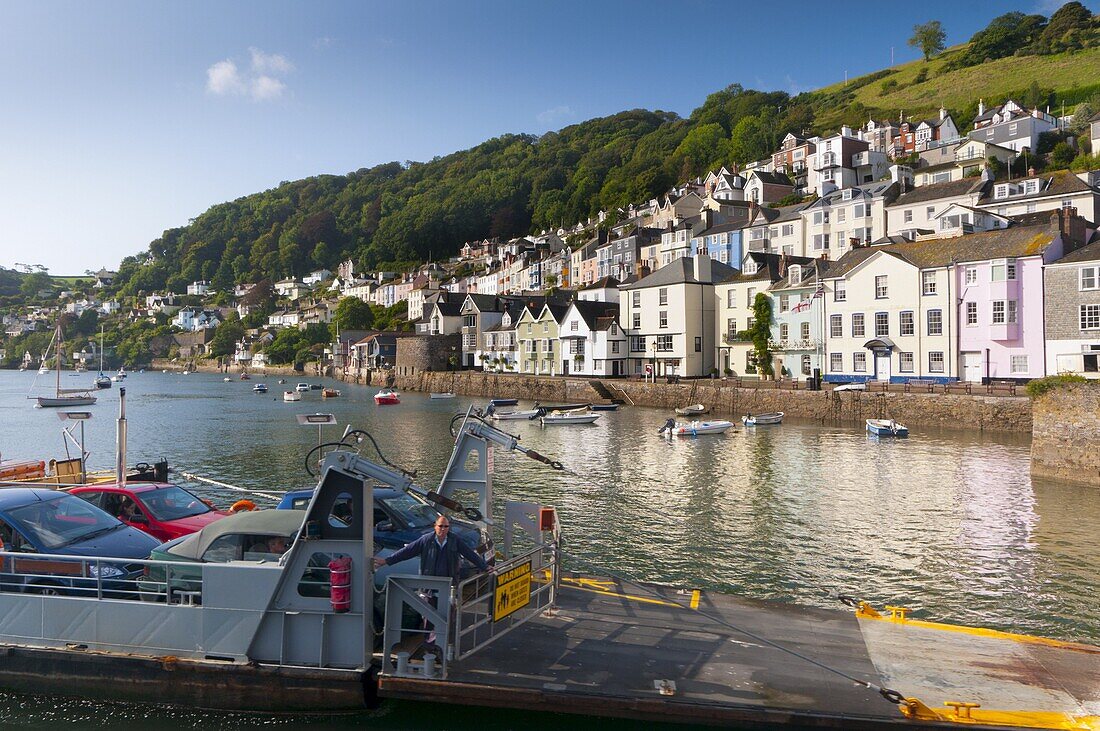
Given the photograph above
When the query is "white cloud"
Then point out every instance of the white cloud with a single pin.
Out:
(557, 114)
(260, 83)
(265, 88)
(223, 78)
(264, 63)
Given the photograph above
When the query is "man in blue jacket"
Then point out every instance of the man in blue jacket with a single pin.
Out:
(439, 556)
(439, 553)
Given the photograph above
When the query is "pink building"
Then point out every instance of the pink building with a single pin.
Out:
(1001, 321)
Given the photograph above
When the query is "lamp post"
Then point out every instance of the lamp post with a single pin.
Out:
(79, 416)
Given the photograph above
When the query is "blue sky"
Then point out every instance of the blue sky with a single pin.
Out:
(122, 119)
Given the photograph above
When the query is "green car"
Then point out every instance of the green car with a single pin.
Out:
(259, 535)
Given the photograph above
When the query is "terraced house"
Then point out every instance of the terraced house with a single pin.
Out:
(1072, 308)
(537, 340)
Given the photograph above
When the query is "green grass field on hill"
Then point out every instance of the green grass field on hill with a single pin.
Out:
(1073, 76)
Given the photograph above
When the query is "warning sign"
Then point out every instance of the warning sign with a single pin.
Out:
(513, 591)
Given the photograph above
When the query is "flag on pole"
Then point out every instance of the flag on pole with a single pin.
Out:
(801, 306)
(820, 292)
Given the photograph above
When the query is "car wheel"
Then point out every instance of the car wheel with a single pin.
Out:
(45, 589)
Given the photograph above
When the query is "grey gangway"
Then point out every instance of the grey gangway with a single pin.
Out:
(482, 608)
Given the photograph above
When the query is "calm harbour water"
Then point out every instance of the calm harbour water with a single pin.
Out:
(947, 523)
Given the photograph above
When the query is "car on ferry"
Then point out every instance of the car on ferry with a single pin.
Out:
(302, 387)
(40, 522)
(259, 535)
(162, 510)
(401, 517)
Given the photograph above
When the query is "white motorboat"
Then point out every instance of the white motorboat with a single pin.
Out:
(774, 417)
(387, 397)
(887, 428)
(444, 394)
(692, 410)
(291, 396)
(694, 428)
(302, 387)
(569, 417)
(515, 415)
(851, 387)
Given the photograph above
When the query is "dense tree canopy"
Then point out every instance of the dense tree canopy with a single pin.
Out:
(929, 38)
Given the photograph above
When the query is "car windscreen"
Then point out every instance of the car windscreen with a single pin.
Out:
(53, 524)
(412, 512)
(172, 503)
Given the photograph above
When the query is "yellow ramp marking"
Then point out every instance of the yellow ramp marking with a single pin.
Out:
(695, 599)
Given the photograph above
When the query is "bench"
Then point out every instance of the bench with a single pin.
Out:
(919, 383)
(672, 379)
(1009, 386)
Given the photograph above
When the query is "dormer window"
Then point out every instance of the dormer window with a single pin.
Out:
(1002, 191)
(750, 267)
(795, 274)
(847, 194)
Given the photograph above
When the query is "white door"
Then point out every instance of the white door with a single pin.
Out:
(882, 367)
(972, 367)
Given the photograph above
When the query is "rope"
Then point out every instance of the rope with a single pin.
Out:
(891, 696)
(226, 485)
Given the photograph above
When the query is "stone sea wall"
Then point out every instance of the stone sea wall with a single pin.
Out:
(916, 410)
(1065, 441)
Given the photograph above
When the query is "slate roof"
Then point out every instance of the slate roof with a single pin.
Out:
(591, 312)
(1059, 182)
(810, 274)
(767, 267)
(936, 191)
(486, 302)
(682, 271)
(772, 178)
(1016, 241)
(1084, 254)
(724, 227)
(603, 283)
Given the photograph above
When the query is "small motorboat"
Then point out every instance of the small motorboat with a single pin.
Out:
(692, 410)
(329, 393)
(504, 401)
(227, 379)
(102, 381)
(604, 407)
(569, 417)
(694, 428)
(259, 388)
(851, 387)
(515, 415)
(282, 381)
(121, 375)
(291, 396)
(773, 417)
(246, 377)
(887, 428)
(547, 408)
(444, 394)
(315, 387)
(386, 397)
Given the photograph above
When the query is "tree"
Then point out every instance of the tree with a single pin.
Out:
(226, 336)
(352, 313)
(760, 333)
(1062, 155)
(34, 283)
(929, 38)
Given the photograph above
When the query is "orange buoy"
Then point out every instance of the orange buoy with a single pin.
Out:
(242, 505)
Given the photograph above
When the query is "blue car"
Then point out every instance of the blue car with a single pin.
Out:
(41, 522)
(401, 518)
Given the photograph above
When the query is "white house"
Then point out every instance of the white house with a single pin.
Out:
(198, 289)
(592, 342)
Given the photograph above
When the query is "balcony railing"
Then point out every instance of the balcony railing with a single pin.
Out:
(732, 338)
(791, 344)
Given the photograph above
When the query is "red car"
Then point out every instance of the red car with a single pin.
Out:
(162, 510)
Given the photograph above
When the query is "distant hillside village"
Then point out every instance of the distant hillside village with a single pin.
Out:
(920, 250)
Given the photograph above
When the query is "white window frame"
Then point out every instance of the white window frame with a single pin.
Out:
(971, 314)
(836, 326)
(1089, 316)
(840, 291)
(970, 275)
(859, 326)
(836, 362)
(859, 362)
(1018, 365)
(934, 319)
(882, 287)
(936, 361)
(1088, 278)
(905, 363)
(903, 325)
(804, 330)
(928, 283)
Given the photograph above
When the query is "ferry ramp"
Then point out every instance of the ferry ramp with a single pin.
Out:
(661, 654)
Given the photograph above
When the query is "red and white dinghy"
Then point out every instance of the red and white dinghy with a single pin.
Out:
(387, 396)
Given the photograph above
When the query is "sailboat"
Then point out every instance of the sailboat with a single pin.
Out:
(101, 381)
(64, 396)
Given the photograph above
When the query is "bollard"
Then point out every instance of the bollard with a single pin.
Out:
(429, 665)
(402, 663)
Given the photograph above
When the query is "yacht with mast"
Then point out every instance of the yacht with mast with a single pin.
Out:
(101, 381)
(64, 396)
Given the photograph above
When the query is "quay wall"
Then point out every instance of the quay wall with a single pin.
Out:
(212, 366)
(988, 413)
(1065, 442)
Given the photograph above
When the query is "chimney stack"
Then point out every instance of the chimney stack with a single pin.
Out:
(981, 107)
(943, 114)
(701, 264)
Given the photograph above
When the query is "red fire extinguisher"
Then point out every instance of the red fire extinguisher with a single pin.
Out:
(340, 584)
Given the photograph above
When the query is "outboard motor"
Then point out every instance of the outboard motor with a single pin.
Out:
(670, 424)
